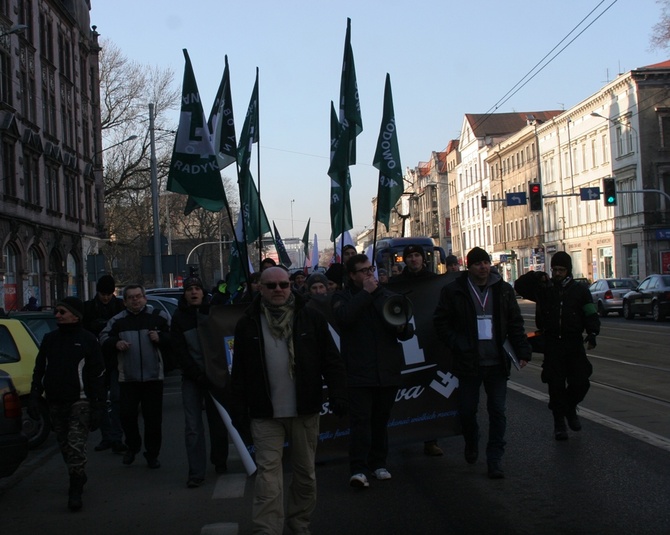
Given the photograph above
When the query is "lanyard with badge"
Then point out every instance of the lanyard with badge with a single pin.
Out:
(484, 321)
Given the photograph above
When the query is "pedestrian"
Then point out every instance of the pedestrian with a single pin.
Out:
(138, 334)
(195, 388)
(373, 358)
(347, 252)
(452, 263)
(335, 276)
(382, 276)
(97, 312)
(476, 314)
(282, 351)
(267, 262)
(317, 284)
(32, 304)
(564, 312)
(298, 278)
(415, 269)
(69, 370)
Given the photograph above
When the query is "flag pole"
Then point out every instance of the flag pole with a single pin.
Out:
(258, 167)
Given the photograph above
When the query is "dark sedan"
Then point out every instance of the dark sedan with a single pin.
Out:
(652, 297)
(608, 294)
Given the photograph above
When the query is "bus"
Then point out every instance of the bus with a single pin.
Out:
(389, 252)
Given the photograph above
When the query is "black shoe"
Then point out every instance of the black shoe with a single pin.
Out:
(128, 457)
(152, 462)
(573, 420)
(104, 445)
(471, 454)
(495, 472)
(75, 491)
(560, 431)
(431, 449)
(221, 468)
(119, 447)
(193, 482)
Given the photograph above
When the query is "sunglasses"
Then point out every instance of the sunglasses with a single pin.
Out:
(60, 311)
(272, 285)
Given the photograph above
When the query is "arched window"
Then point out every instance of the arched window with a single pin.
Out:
(34, 276)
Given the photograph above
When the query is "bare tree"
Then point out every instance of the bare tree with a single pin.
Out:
(660, 36)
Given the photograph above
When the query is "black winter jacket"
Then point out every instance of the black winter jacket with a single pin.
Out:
(372, 353)
(69, 366)
(186, 344)
(455, 323)
(563, 310)
(316, 357)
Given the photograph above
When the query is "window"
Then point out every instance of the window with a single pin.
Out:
(49, 99)
(25, 10)
(631, 259)
(8, 167)
(5, 74)
(594, 154)
(27, 85)
(70, 194)
(67, 114)
(53, 202)
(605, 148)
(31, 177)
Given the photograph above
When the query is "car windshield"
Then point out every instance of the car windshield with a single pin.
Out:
(666, 280)
(622, 283)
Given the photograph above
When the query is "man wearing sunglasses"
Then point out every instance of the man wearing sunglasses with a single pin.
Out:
(373, 358)
(69, 370)
(282, 351)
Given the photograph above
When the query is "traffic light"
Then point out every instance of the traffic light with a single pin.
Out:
(535, 196)
(609, 191)
(484, 202)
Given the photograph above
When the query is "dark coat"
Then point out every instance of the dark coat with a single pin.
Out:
(97, 314)
(185, 341)
(68, 364)
(370, 346)
(563, 311)
(316, 360)
(455, 323)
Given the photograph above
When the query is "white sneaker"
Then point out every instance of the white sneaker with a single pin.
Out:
(359, 481)
(382, 473)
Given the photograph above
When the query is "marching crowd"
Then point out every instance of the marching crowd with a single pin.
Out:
(106, 362)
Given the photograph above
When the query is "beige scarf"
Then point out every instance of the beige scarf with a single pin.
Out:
(280, 322)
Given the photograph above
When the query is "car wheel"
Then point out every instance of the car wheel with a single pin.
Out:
(601, 310)
(656, 312)
(36, 431)
(627, 312)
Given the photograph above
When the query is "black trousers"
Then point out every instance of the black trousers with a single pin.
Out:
(147, 397)
(566, 371)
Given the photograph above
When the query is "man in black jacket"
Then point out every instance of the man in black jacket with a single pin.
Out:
(564, 311)
(373, 358)
(195, 387)
(70, 371)
(474, 317)
(97, 312)
(282, 351)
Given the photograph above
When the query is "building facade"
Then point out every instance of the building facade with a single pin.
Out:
(51, 214)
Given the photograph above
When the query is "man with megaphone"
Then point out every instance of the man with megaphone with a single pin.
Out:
(373, 356)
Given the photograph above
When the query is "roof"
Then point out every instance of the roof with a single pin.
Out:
(500, 124)
(662, 65)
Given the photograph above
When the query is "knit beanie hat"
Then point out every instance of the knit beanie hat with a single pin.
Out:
(193, 280)
(413, 249)
(477, 255)
(74, 305)
(451, 260)
(562, 259)
(317, 277)
(106, 285)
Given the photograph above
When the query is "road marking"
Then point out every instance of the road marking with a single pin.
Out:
(630, 430)
(230, 486)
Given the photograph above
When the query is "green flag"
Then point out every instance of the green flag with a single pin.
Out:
(222, 123)
(350, 106)
(284, 258)
(340, 183)
(238, 259)
(387, 160)
(256, 223)
(194, 169)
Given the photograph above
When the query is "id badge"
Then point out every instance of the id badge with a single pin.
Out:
(485, 327)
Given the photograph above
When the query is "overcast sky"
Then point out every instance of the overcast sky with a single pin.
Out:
(445, 59)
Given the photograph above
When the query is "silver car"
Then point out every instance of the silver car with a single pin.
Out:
(608, 294)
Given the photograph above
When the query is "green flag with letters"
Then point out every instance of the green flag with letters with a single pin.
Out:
(194, 169)
(340, 183)
(387, 160)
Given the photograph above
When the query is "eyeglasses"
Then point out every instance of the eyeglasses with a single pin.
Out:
(272, 285)
(369, 269)
(60, 311)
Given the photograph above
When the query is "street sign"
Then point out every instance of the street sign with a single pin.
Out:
(589, 194)
(663, 234)
(503, 258)
(516, 199)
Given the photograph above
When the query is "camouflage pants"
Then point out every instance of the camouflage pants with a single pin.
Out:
(70, 422)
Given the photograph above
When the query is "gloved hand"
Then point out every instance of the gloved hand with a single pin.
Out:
(590, 341)
(339, 407)
(34, 407)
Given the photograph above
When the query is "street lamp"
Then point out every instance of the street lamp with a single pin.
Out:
(292, 233)
(129, 138)
(17, 28)
(617, 122)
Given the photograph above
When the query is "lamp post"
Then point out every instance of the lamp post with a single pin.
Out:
(16, 28)
(292, 233)
(129, 138)
(618, 122)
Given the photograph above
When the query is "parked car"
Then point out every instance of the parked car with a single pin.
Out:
(167, 304)
(13, 443)
(174, 293)
(608, 294)
(652, 296)
(18, 350)
(39, 323)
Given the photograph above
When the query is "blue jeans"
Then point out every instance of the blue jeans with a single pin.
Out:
(194, 398)
(494, 379)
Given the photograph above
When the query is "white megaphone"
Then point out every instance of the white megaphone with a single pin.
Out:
(397, 310)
